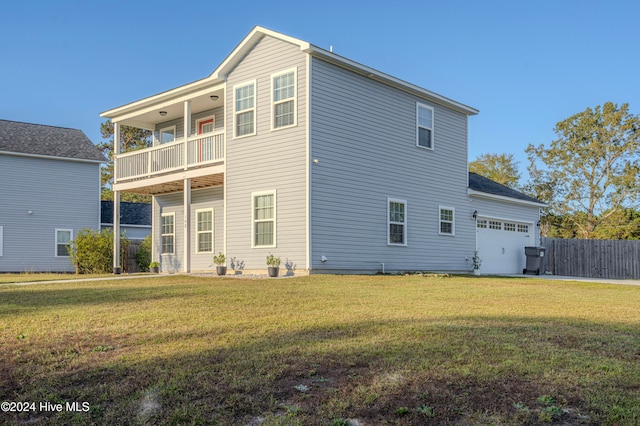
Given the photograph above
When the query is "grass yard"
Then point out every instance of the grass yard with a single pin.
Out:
(321, 350)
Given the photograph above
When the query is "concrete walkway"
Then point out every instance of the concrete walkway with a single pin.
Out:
(583, 279)
(134, 276)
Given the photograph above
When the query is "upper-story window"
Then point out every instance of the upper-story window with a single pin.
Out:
(424, 126)
(167, 134)
(284, 99)
(245, 109)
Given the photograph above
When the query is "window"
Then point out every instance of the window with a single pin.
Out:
(495, 225)
(167, 232)
(482, 223)
(284, 99)
(424, 122)
(167, 134)
(510, 226)
(264, 219)
(63, 242)
(397, 222)
(204, 231)
(245, 109)
(523, 228)
(447, 215)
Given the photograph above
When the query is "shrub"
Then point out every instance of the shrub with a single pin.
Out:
(91, 251)
(143, 256)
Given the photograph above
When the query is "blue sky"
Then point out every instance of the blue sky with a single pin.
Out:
(524, 65)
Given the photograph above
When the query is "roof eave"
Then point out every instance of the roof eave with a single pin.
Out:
(388, 79)
(53, 157)
(480, 194)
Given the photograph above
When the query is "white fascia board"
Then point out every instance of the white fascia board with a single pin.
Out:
(388, 79)
(479, 194)
(52, 157)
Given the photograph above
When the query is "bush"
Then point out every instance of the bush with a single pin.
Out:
(91, 251)
(143, 256)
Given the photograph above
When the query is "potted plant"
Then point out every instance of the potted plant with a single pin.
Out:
(154, 267)
(476, 263)
(273, 265)
(220, 260)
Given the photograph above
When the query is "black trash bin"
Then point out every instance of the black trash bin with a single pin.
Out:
(534, 259)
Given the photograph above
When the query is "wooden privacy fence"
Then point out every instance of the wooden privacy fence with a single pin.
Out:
(615, 259)
(130, 263)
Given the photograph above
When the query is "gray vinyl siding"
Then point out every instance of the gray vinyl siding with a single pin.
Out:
(270, 160)
(60, 194)
(171, 203)
(363, 134)
(174, 203)
(207, 199)
(491, 208)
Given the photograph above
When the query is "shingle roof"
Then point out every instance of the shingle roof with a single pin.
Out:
(486, 185)
(130, 213)
(38, 139)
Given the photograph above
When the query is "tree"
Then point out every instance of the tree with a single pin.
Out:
(131, 138)
(501, 168)
(591, 171)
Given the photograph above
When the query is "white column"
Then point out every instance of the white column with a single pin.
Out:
(187, 131)
(187, 225)
(116, 205)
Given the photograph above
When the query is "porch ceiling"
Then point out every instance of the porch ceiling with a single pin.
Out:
(177, 185)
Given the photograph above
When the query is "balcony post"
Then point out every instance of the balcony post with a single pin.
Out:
(187, 132)
(116, 204)
(187, 225)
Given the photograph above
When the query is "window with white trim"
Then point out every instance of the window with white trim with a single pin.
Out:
(167, 134)
(508, 226)
(264, 219)
(63, 242)
(283, 97)
(482, 223)
(493, 224)
(245, 109)
(396, 222)
(424, 126)
(447, 224)
(204, 231)
(523, 228)
(168, 233)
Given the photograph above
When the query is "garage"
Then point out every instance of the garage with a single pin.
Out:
(500, 244)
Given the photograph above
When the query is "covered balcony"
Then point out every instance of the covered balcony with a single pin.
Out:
(192, 148)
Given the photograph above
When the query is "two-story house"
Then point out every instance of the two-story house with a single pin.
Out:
(49, 190)
(290, 149)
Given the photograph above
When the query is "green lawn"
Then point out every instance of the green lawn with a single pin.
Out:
(325, 350)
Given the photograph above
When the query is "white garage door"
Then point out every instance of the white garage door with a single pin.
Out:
(501, 245)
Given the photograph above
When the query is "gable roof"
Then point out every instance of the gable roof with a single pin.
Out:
(48, 141)
(130, 213)
(482, 186)
(219, 75)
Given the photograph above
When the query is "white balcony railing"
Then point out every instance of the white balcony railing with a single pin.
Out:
(202, 149)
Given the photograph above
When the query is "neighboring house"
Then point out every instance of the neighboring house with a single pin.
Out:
(135, 218)
(49, 190)
(290, 149)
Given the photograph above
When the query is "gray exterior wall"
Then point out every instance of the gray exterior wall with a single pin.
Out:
(173, 203)
(363, 134)
(270, 160)
(60, 194)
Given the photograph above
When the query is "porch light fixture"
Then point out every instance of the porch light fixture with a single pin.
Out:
(163, 113)
(475, 214)
(214, 97)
